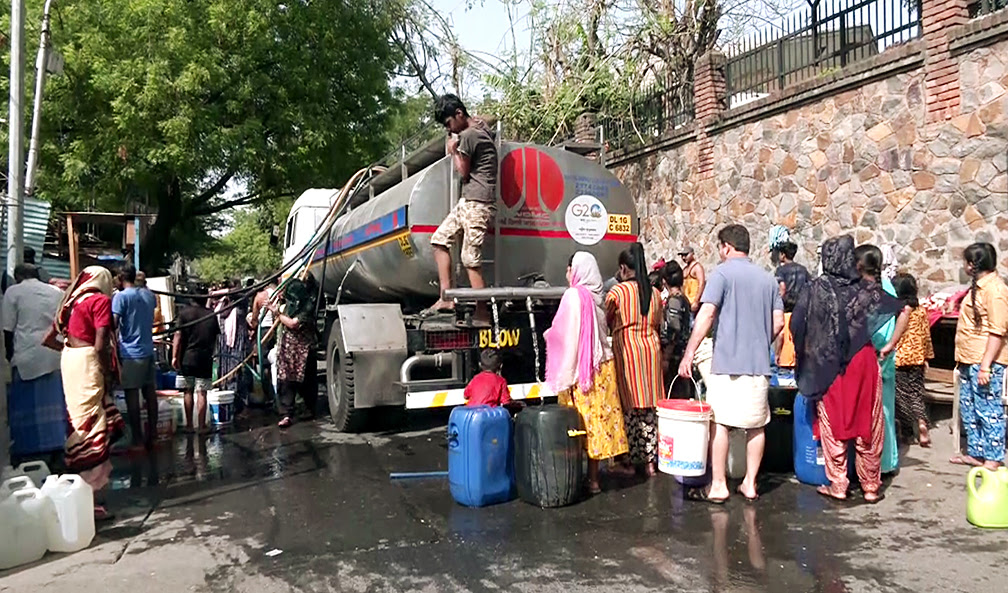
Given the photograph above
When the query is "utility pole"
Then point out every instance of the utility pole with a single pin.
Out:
(15, 159)
(41, 69)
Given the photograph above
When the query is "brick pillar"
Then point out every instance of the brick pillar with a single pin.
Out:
(708, 102)
(941, 70)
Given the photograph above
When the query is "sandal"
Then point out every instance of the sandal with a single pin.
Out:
(700, 495)
(873, 497)
(593, 488)
(748, 498)
(828, 493)
(964, 460)
(101, 515)
(285, 422)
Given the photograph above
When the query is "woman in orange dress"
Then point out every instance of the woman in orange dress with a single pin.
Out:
(633, 312)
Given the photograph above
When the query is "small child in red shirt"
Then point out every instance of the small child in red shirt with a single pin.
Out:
(488, 388)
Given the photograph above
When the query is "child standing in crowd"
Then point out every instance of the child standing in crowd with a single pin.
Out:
(675, 328)
(488, 388)
(982, 357)
(912, 353)
(784, 353)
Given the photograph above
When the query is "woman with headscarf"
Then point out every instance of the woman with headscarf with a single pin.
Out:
(870, 263)
(296, 363)
(580, 367)
(84, 319)
(633, 313)
(837, 364)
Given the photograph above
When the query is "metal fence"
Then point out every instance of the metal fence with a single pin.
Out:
(982, 7)
(656, 112)
(819, 40)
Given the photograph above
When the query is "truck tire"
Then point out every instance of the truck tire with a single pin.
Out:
(340, 388)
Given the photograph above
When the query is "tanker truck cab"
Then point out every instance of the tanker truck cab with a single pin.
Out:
(306, 216)
(376, 268)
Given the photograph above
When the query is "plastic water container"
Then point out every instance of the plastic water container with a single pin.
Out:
(38, 471)
(74, 526)
(549, 455)
(24, 515)
(809, 464)
(480, 459)
(167, 379)
(177, 404)
(165, 421)
(683, 436)
(13, 484)
(220, 406)
(8, 473)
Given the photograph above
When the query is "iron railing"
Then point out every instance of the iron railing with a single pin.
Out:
(655, 112)
(819, 40)
(982, 7)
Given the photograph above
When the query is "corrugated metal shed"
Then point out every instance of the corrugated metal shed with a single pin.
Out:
(36, 221)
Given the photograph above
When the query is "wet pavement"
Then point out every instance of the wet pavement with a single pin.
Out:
(205, 515)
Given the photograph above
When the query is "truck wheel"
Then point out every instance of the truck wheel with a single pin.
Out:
(340, 388)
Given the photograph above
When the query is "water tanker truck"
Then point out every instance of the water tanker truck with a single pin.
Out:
(376, 268)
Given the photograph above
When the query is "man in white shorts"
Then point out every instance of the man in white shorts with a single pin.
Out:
(743, 304)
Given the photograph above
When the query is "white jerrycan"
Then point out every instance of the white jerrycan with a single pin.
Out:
(73, 527)
(36, 470)
(23, 516)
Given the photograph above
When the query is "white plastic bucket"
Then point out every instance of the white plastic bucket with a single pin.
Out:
(683, 433)
(220, 405)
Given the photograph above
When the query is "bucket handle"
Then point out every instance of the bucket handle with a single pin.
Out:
(696, 386)
(971, 480)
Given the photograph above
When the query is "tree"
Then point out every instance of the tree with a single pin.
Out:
(244, 251)
(166, 103)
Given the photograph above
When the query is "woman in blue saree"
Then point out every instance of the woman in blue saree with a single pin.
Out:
(869, 262)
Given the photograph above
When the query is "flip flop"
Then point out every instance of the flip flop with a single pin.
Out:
(285, 422)
(961, 460)
(101, 515)
(878, 496)
(698, 495)
(825, 491)
(747, 498)
(593, 489)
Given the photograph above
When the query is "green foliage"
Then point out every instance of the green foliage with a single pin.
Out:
(244, 251)
(163, 102)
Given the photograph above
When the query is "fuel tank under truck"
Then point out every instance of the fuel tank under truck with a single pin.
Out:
(550, 203)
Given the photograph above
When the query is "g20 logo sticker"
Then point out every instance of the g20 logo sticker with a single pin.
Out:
(586, 220)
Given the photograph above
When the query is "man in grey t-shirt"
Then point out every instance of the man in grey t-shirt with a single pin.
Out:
(474, 156)
(743, 303)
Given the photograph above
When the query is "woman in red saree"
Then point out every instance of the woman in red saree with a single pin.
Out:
(84, 320)
(837, 365)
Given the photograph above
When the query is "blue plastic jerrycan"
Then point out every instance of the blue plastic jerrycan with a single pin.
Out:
(480, 455)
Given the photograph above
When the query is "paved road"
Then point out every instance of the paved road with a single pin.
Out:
(205, 516)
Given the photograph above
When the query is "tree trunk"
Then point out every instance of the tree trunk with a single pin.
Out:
(157, 246)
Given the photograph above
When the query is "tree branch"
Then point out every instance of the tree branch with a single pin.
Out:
(216, 188)
(246, 200)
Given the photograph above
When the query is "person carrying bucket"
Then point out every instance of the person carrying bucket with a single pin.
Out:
(746, 301)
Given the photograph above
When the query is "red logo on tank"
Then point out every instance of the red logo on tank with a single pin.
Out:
(534, 175)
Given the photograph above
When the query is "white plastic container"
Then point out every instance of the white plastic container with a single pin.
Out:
(38, 471)
(73, 526)
(23, 519)
(11, 485)
(220, 405)
(9, 472)
(683, 435)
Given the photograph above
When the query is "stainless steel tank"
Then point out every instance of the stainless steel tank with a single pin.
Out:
(550, 203)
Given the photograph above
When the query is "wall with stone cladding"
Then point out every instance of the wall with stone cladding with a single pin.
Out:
(865, 161)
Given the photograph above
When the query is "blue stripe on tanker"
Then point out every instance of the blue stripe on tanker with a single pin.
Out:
(383, 225)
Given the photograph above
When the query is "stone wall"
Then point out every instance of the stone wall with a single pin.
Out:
(855, 154)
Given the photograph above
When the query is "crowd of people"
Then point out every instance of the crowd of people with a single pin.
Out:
(69, 350)
(856, 339)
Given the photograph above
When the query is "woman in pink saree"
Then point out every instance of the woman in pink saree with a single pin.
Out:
(580, 367)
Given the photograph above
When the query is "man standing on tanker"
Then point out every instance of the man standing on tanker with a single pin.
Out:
(474, 156)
